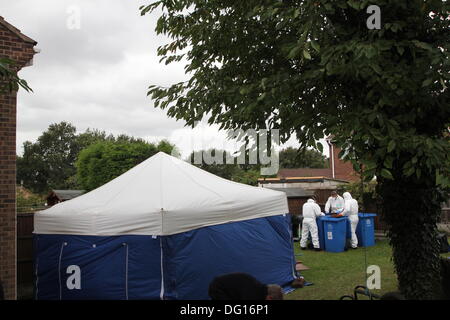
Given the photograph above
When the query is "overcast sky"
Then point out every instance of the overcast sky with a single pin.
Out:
(97, 75)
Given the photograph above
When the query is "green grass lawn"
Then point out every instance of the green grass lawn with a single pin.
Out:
(336, 274)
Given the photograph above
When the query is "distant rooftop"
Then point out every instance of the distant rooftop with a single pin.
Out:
(64, 195)
(305, 172)
(294, 192)
(298, 179)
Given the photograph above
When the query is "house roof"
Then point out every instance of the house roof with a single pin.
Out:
(305, 172)
(298, 179)
(66, 194)
(295, 192)
(16, 31)
(302, 175)
(313, 179)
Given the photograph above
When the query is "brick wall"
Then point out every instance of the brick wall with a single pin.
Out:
(14, 47)
(295, 205)
(343, 170)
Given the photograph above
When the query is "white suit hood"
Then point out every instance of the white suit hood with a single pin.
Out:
(350, 206)
(311, 210)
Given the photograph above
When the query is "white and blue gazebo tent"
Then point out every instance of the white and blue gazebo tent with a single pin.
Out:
(162, 230)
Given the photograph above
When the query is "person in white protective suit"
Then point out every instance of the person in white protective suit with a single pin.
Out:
(311, 211)
(335, 203)
(351, 211)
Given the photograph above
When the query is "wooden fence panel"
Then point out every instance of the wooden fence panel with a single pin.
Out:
(25, 273)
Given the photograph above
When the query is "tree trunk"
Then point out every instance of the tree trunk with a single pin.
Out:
(411, 209)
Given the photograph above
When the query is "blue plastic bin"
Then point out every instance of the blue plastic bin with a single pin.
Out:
(365, 231)
(319, 222)
(334, 230)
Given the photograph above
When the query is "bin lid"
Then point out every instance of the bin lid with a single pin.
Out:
(331, 219)
(367, 215)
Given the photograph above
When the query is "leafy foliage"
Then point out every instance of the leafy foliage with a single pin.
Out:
(366, 195)
(27, 201)
(49, 163)
(9, 81)
(104, 161)
(313, 68)
(223, 163)
(294, 65)
(306, 158)
(226, 165)
(413, 234)
(249, 177)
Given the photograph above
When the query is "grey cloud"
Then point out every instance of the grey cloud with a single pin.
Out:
(96, 76)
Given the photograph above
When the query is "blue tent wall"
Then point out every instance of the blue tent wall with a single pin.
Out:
(129, 267)
(120, 267)
(261, 247)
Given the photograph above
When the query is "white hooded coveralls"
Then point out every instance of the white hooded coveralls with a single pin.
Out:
(351, 211)
(334, 204)
(311, 210)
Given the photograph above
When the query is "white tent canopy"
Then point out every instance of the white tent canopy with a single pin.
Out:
(161, 196)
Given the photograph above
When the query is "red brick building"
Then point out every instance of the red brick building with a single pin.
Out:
(341, 170)
(338, 169)
(19, 48)
(320, 181)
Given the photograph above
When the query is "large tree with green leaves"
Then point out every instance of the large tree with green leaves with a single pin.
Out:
(314, 68)
(49, 162)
